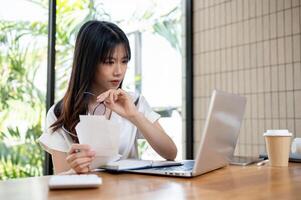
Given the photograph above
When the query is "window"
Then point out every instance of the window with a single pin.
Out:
(154, 29)
(23, 61)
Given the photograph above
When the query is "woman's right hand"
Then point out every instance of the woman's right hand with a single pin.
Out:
(80, 157)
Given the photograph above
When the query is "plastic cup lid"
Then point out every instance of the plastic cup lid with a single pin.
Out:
(282, 132)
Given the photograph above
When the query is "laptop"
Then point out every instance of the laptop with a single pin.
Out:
(218, 140)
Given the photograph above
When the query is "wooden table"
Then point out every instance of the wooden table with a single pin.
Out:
(232, 182)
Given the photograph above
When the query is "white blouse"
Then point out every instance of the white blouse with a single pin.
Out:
(61, 141)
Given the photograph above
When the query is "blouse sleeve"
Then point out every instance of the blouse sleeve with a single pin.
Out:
(56, 140)
(144, 107)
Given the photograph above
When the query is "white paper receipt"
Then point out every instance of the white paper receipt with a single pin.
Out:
(102, 135)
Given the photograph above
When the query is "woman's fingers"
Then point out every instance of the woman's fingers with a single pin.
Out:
(79, 157)
(121, 91)
(80, 161)
(84, 165)
(78, 147)
(83, 168)
(115, 96)
(122, 94)
(109, 96)
(81, 154)
(103, 96)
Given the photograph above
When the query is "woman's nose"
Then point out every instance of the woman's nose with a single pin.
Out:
(117, 69)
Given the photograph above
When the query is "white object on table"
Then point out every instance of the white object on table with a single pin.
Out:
(296, 146)
(74, 181)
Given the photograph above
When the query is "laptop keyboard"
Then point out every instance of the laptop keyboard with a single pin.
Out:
(188, 166)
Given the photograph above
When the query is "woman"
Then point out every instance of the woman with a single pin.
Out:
(100, 60)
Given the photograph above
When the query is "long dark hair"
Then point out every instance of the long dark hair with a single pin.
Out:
(95, 42)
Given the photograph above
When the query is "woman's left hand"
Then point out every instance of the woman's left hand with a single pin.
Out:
(119, 102)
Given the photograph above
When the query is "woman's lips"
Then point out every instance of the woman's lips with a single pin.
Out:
(115, 82)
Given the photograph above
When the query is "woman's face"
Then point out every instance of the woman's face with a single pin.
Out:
(110, 73)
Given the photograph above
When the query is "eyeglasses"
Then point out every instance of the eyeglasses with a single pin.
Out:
(99, 108)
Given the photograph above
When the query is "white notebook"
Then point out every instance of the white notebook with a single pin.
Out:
(129, 164)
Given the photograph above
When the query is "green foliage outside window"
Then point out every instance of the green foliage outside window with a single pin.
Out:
(20, 98)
